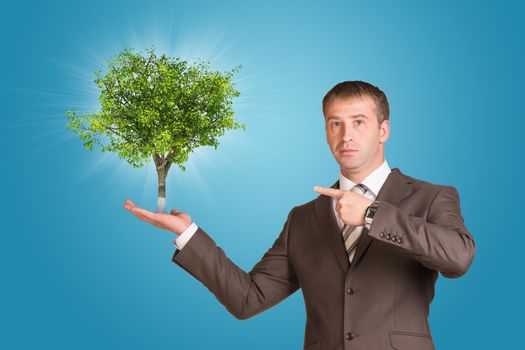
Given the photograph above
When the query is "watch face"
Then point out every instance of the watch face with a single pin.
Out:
(371, 212)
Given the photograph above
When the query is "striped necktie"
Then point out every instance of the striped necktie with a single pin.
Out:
(351, 234)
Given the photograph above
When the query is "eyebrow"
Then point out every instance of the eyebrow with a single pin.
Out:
(355, 116)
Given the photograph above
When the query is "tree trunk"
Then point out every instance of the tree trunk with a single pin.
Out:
(162, 167)
(161, 199)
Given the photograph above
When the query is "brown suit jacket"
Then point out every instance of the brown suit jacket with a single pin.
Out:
(381, 300)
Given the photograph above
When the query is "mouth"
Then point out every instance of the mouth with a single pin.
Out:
(348, 151)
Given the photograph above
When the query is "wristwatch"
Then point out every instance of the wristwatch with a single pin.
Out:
(370, 213)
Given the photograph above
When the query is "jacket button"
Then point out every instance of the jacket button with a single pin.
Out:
(388, 236)
(349, 336)
(400, 240)
(394, 239)
(350, 291)
(382, 235)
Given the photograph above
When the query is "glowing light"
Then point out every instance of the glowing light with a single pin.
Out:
(168, 36)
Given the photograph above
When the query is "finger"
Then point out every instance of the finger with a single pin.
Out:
(331, 192)
(144, 215)
(143, 212)
(129, 204)
(174, 211)
(141, 216)
(148, 220)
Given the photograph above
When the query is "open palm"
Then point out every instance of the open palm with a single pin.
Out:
(176, 221)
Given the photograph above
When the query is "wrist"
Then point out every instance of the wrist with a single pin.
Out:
(370, 214)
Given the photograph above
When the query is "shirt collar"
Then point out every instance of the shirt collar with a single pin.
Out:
(374, 181)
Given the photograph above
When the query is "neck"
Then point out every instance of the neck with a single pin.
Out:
(358, 175)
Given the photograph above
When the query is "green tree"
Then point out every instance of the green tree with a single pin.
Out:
(157, 107)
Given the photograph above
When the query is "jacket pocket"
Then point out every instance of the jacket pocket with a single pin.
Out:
(410, 341)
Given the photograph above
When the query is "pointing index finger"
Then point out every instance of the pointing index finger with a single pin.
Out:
(331, 192)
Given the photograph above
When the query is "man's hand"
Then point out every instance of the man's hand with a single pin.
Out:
(175, 221)
(350, 206)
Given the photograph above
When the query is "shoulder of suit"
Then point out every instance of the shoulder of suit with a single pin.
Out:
(305, 208)
(307, 205)
(424, 185)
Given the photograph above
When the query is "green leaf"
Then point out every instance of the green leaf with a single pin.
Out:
(156, 104)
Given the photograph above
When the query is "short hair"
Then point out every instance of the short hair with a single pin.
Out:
(357, 88)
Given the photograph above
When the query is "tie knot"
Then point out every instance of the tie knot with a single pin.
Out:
(359, 188)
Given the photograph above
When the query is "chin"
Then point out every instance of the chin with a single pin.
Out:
(349, 165)
(352, 165)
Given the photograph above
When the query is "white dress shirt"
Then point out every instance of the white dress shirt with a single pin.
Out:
(374, 182)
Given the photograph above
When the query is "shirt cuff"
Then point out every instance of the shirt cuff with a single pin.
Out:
(185, 236)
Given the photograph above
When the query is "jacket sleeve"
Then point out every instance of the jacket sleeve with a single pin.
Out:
(244, 294)
(440, 241)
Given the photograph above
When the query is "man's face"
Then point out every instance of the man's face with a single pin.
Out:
(354, 135)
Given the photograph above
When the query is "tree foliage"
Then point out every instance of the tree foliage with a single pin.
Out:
(157, 106)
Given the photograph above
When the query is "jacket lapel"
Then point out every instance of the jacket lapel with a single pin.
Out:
(329, 228)
(396, 187)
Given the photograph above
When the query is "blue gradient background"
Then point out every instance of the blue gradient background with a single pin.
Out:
(80, 272)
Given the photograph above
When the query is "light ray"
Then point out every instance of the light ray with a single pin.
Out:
(174, 38)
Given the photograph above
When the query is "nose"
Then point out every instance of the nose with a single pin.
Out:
(348, 133)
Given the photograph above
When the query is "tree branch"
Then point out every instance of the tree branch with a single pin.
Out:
(114, 131)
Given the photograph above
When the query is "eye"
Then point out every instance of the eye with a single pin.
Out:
(335, 124)
(359, 122)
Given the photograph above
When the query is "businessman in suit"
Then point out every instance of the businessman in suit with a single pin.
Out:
(366, 252)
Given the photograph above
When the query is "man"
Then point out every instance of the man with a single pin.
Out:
(366, 252)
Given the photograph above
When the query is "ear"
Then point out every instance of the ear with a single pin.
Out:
(384, 131)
